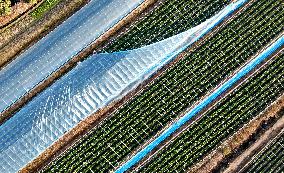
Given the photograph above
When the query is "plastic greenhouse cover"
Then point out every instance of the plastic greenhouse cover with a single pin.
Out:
(176, 125)
(91, 85)
(51, 52)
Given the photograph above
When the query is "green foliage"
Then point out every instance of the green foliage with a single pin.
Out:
(177, 89)
(239, 107)
(169, 19)
(249, 100)
(5, 7)
(32, 1)
(270, 159)
(43, 8)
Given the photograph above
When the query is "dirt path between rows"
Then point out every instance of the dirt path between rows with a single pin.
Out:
(19, 11)
(212, 161)
(243, 160)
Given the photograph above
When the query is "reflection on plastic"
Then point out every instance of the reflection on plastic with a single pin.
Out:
(94, 83)
(59, 46)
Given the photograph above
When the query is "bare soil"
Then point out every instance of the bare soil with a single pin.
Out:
(17, 10)
(237, 164)
(212, 161)
(12, 27)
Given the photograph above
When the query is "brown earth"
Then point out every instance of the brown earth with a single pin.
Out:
(17, 10)
(12, 27)
(243, 160)
(211, 162)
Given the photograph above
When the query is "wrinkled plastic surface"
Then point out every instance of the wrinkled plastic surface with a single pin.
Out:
(51, 52)
(94, 83)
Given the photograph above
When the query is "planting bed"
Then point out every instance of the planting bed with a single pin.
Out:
(170, 18)
(271, 159)
(247, 101)
(179, 88)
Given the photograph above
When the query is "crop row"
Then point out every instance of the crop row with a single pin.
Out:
(225, 118)
(170, 18)
(173, 92)
(43, 8)
(270, 160)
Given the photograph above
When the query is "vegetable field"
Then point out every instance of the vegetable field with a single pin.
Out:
(170, 18)
(230, 114)
(270, 160)
(179, 88)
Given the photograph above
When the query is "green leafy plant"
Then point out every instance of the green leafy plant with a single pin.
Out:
(178, 88)
(32, 1)
(43, 8)
(5, 7)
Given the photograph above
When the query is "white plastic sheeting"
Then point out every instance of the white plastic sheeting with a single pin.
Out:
(93, 84)
(34, 65)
